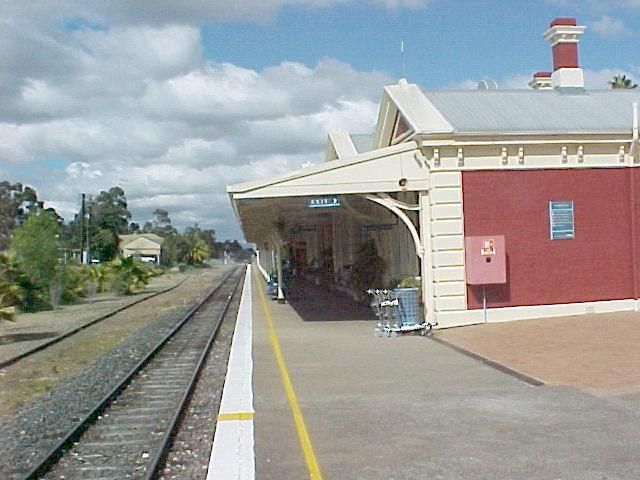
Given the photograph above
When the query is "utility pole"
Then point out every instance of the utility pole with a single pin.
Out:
(83, 253)
(89, 211)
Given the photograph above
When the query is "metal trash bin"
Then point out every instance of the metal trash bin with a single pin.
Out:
(409, 311)
(272, 288)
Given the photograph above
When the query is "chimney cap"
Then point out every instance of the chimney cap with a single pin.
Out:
(542, 74)
(563, 21)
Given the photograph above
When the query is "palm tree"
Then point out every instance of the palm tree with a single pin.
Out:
(197, 250)
(621, 81)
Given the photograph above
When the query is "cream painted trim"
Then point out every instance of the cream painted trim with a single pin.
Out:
(322, 167)
(398, 203)
(260, 267)
(481, 143)
(497, 138)
(402, 137)
(506, 314)
(382, 124)
(553, 156)
(426, 262)
(389, 203)
(342, 144)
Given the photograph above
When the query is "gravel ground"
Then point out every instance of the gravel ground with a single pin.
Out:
(189, 456)
(21, 438)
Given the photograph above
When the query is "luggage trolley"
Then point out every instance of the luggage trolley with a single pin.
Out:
(393, 318)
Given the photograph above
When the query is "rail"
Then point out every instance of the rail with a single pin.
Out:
(47, 461)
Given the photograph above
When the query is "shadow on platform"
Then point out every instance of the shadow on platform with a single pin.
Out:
(317, 304)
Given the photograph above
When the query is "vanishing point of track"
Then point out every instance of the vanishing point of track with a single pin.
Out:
(127, 433)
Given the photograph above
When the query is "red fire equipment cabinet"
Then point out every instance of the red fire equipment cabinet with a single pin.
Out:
(485, 263)
(486, 260)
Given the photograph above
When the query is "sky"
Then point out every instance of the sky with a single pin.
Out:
(175, 100)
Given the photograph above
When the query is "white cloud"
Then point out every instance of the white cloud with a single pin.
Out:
(608, 27)
(516, 81)
(160, 12)
(138, 106)
(78, 170)
(593, 79)
(511, 82)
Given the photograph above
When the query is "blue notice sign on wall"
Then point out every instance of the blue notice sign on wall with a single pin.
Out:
(561, 220)
(324, 202)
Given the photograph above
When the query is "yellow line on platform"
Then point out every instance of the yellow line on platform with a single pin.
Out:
(303, 435)
(225, 417)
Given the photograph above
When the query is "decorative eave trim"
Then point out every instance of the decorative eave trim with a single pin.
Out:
(322, 167)
(535, 138)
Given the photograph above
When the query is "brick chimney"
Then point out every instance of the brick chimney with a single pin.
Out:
(541, 81)
(563, 35)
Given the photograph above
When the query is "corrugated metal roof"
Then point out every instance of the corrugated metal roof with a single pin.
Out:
(536, 111)
(363, 142)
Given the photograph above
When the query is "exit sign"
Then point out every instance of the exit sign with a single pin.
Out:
(324, 202)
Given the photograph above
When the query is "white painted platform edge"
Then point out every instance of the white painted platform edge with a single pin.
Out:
(232, 455)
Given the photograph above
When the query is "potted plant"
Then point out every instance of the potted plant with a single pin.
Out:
(368, 267)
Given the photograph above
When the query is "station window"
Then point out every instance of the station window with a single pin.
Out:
(400, 128)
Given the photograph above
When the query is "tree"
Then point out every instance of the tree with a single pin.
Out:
(108, 217)
(162, 223)
(35, 246)
(621, 81)
(232, 248)
(16, 202)
(197, 250)
(109, 211)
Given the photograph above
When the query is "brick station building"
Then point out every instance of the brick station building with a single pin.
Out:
(550, 171)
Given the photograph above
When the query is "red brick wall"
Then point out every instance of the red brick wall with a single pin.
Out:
(565, 55)
(596, 265)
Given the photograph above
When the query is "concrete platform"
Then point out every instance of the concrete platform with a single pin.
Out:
(411, 408)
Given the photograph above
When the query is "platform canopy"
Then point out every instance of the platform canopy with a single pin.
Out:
(264, 205)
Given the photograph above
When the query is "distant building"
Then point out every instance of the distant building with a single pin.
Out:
(145, 246)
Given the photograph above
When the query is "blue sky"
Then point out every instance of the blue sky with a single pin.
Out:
(445, 43)
(173, 101)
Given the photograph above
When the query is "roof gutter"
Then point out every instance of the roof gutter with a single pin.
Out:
(621, 137)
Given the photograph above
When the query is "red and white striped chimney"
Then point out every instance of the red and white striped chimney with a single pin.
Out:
(564, 35)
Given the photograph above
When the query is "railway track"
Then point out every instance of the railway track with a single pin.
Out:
(43, 346)
(128, 432)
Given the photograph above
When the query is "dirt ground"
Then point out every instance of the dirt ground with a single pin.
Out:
(598, 353)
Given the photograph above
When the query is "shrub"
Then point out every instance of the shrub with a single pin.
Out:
(410, 282)
(131, 274)
(368, 268)
(11, 294)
